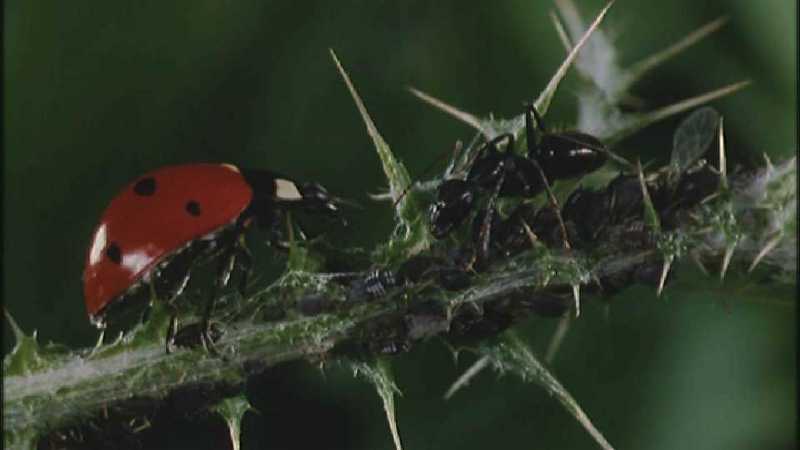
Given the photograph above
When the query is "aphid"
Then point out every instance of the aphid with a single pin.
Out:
(373, 285)
(477, 322)
(158, 226)
(553, 301)
(689, 179)
(586, 210)
(314, 304)
(448, 273)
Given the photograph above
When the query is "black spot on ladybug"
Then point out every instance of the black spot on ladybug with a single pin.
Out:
(145, 187)
(193, 208)
(113, 252)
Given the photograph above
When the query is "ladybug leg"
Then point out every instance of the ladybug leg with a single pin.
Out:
(169, 283)
(244, 261)
(172, 330)
(227, 263)
(277, 237)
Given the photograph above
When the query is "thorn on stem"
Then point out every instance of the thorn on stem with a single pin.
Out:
(576, 295)
(15, 328)
(726, 260)
(557, 339)
(764, 251)
(463, 116)
(723, 170)
(664, 273)
(699, 264)
(531, 235)
(467, 376)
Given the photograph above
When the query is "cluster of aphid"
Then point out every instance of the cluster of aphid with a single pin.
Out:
(613, 215)
(587, 214)
(154, 232)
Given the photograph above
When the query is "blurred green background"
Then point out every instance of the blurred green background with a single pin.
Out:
(98, 92)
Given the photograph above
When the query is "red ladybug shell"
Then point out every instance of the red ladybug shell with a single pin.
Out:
(154, 216)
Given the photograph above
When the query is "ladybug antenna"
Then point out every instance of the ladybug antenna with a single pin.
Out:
(346, 202)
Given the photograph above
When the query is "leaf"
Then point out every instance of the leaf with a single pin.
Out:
(651, 218)
(467, 376)
(26, 356)
(632, 123)
(546, 96)
(379, 374)
(232, 411)
(638, 70)
(408, 212)
(693, 137)
(599, 113)
(463, 116)
(598, 63)
(20, 439)
(512, 355)
(491, 128)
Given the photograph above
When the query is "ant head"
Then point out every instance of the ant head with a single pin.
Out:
(454, 200)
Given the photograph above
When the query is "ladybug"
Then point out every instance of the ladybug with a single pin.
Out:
(161, 223)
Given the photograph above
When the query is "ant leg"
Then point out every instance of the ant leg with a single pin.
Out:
(530, 129)
(530, 132)
(486, 227)
(554, 204)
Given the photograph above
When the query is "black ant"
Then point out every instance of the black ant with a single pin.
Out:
(550, 157)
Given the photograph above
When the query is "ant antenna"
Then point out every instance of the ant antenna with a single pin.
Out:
(456, 150)
(531, 109)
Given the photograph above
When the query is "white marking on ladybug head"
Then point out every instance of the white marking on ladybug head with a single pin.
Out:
(287, 190)
(98, 245)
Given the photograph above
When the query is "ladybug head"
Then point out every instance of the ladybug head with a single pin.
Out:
(273, 191)
(316, 198)
(312, 197)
